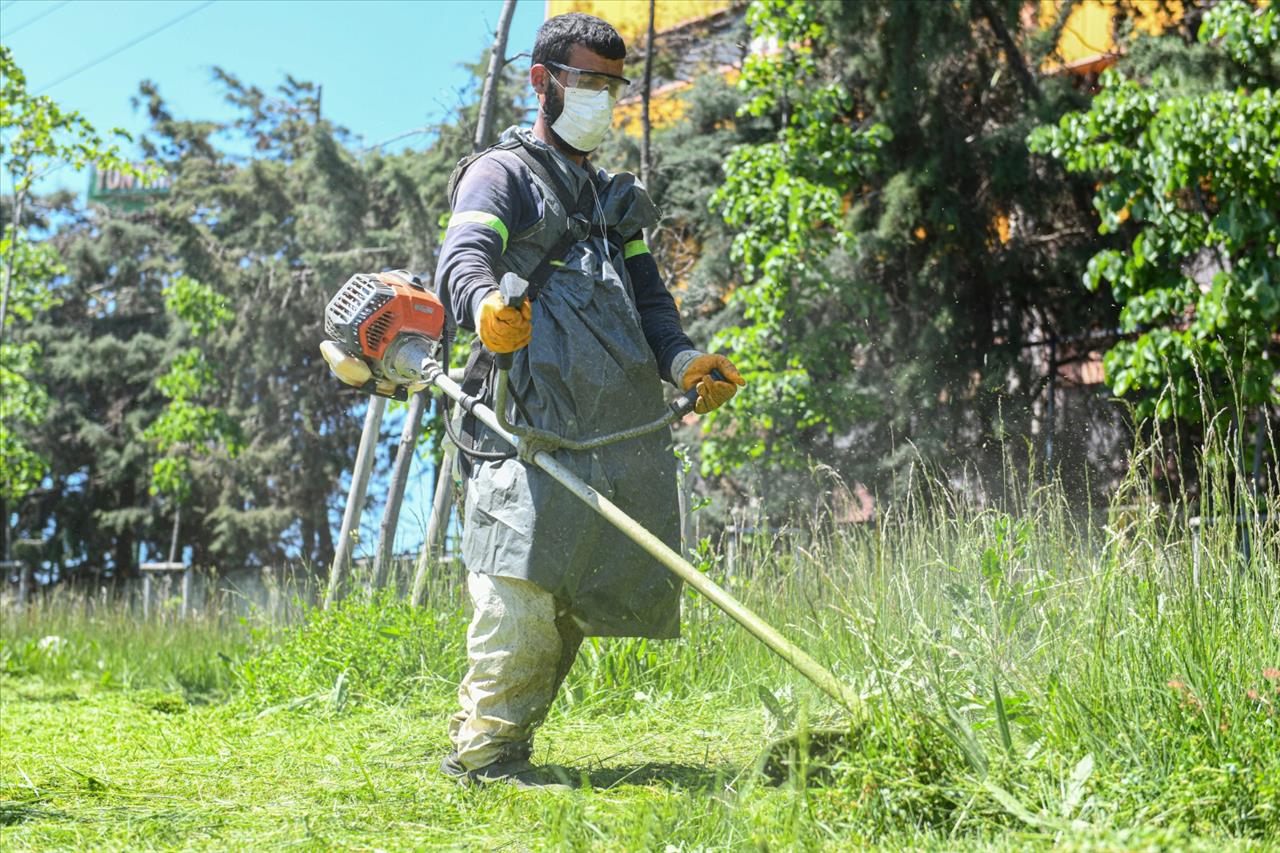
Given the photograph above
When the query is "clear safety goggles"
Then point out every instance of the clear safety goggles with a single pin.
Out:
(594, 81)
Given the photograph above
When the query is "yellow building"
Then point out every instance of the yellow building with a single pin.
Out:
(1088, 42)
(631, 17)
(689, 22)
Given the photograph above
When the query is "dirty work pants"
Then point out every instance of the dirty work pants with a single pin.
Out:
(520, 645)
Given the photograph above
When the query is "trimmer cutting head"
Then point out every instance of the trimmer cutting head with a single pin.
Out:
(381, 328)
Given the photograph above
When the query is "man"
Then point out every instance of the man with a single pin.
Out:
(589, 352)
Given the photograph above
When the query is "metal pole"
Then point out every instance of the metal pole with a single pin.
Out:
(395, 497)
(757, 627)
(441, 503)
(355, 498)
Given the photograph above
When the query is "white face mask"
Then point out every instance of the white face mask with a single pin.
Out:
(586, 118)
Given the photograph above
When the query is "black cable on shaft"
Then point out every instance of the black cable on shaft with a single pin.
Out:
(446, 403)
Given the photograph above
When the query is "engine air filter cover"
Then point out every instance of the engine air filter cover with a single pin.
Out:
(369, 312)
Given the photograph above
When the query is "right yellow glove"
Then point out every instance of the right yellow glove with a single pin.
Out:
(503, 328)
(712, 393)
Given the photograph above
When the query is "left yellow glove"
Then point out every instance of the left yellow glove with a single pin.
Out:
(712, 393)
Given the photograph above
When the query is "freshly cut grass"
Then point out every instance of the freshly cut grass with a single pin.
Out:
(1035, 678)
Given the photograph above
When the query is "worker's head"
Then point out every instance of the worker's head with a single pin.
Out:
(577, 75)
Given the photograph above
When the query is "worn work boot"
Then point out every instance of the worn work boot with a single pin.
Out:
(517, 771)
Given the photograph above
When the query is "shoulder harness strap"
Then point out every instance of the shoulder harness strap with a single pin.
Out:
(578, 210)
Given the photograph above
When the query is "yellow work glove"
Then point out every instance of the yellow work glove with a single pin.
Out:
(502, 328)
(712, 393)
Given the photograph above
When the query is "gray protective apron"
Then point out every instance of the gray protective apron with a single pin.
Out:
(587, 371)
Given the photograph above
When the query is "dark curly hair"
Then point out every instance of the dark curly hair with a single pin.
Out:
(557, 36)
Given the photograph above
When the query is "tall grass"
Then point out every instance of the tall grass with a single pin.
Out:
(59, 637)
(1027, 665)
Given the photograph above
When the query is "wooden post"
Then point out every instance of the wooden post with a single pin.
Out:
(1258, 434)
(395, 496)
(1050, 407)
(1195, 552)
(28, 554)
(492, 77)
(7, 566)
(173, 561)
(1255, 477)
(24, 584)
(684, 496)
(355, 498)
(731, 551)
(273, 593)
(437, 525)
(166, 570)
(646, 92)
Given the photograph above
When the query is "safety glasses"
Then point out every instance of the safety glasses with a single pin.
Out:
(594, 81)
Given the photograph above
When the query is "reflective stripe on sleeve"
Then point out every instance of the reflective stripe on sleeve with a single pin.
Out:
(635, 247)
(479, 217)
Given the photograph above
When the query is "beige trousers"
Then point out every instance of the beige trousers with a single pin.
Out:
(520, 645)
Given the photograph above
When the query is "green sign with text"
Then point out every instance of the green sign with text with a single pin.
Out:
(121, 189)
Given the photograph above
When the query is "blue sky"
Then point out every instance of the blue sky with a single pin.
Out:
(386, 67)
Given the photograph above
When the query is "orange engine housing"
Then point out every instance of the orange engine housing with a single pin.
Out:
(371, 311)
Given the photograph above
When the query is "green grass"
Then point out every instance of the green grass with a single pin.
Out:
(1033, 679)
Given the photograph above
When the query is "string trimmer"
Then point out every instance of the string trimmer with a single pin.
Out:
(387, 337)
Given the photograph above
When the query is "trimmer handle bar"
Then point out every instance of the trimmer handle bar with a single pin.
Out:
(513, 290)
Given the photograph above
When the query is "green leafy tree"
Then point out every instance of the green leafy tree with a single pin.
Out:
(900, 252)
(187, 427)
(36, 137)
(1190, 180)
(41, 137)
(104, 344)
(24, 401)
(152, 393)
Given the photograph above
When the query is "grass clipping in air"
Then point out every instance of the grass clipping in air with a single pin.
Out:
(1033, 677)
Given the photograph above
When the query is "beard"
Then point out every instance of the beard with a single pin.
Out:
(552, 107)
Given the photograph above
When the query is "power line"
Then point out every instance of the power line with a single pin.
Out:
(126, 46)
(31, 21)
(398, 137)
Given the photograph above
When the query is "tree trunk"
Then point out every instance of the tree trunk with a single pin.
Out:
(9, 259)
(173, 539)
(646, 91)
(1017, 63)
(126, 565)
(497, 60)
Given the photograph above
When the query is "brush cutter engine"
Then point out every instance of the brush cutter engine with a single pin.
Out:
(386, 335)
(382, 328)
